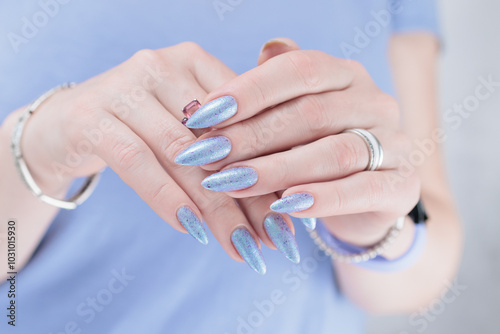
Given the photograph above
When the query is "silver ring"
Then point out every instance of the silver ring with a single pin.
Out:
(374, 148)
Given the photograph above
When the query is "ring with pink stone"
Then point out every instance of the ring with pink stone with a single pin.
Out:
(189, 110)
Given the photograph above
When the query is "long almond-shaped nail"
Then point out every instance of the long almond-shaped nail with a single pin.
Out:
(310, 223)
(282, 237)
(231, 179)
(204, 152)
(213, 112)
(248, 249)
(192, 224)
(293, 203)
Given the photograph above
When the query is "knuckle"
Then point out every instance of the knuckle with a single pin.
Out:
(355, 65)
(337, 198)
(248, 203)
(253, 143)
(347, 154)
(217, 206)
(260, 96)
(305, 66)
(128, 153)
(85, 113)
(357, 68)
(146, 56)
(388, 106)
(160, 195)
(189, 51)
(352, 70)
(314, 113)
(285, 174)
(190, 47)
(375, 193)
(174, 141)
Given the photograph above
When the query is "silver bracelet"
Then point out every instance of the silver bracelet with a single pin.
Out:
(365, 255)
(81, 195)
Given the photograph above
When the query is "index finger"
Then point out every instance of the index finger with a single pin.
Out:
(282, 78)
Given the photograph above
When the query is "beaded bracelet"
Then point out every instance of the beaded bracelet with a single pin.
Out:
(371, 258)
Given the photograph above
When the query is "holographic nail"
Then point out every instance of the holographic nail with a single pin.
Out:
(205, 151)
(192, 224)
(282, 237)
(231, 179)
(212, 113)
(310, 223)
(248, 249)
(293, 203)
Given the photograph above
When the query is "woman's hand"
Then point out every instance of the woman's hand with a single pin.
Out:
(128, 118)
(288, 128)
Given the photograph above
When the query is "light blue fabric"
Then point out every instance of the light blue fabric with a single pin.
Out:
(114, 250)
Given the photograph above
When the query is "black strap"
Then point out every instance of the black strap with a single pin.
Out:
(418, 214)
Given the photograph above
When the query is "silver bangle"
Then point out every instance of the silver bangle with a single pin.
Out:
(365, 255)
(81, 195)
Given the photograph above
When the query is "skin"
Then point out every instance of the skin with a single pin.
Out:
(357, 206)
(321, 96)
(141, 150)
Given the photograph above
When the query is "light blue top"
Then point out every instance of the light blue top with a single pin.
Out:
(112, 265)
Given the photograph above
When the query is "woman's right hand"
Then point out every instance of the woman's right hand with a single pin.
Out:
(128, 118)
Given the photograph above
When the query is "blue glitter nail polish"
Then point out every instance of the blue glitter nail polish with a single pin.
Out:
(248, 249)
(293, 203)
(212, 113)
(231, 179)
(204, 152)
(310, 223)
(282, 237)
(192, 224)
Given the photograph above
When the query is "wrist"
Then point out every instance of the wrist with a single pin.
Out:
(37, 152)
(366, 236)
(357, 233)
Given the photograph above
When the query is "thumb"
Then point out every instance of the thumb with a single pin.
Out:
(276, 46)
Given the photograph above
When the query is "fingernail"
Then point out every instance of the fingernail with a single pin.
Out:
(273, 42)
(282, 237)
(213, 112)
(248, 249)
(204, 152)
(293, 203)
(192, 224)
(310, 223)
(231, 179)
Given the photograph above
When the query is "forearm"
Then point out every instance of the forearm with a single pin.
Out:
(405, 291)
(413, 59)
(432, 274)
(31, 215)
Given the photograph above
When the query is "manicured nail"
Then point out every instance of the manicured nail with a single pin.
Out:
(310, 223)
(204, 152)
(192, 224)
(248, 249)
(282, 237)
(293, 203)
(231, 179)
(212, 113)
(273, 42)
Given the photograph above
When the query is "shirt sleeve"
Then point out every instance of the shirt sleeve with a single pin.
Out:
(415, 15)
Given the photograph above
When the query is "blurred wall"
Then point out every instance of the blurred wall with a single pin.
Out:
(471, 50)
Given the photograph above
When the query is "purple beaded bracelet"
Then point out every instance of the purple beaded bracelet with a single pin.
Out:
(332, 245)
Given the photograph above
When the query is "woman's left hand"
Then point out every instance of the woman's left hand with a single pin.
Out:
(291, 114)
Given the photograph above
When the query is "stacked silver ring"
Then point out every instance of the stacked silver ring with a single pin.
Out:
(374, 147)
